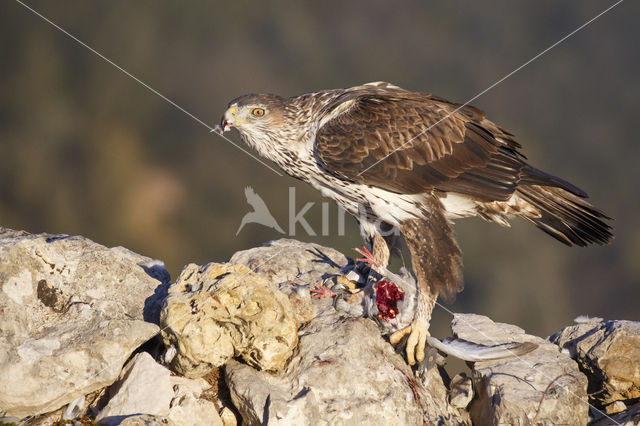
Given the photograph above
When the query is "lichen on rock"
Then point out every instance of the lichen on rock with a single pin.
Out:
(219, 311)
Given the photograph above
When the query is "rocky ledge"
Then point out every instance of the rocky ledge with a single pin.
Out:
(94, 334)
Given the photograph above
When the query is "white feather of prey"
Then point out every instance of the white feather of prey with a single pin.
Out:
(469, 351)
(462, 349)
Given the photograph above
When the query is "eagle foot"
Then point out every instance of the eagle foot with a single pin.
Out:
(320, 291)
(418, 332)
(368, 258)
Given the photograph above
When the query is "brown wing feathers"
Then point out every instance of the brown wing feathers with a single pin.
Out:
(407, 142)
(410, 143)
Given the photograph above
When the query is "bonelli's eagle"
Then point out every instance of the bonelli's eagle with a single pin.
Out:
(412, 162)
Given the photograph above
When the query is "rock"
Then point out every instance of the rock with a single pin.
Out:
(219, 311)
(188, 410)
(541, 387)
(297, 267)
(609, 353)
(183, 386)
(72, 312)
(147, 387)
(228, 418)
(303, 308)
(74, 409)
(615, 407)
(286, 260)
(461, 391)
(629, 417)
(143, 387)
(342, 373)
(147, 420)
(50, 418)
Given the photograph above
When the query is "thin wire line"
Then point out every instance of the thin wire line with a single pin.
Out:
(531, 366)
(494, 84)
(397, 278)
(211, 129)
(214, 293)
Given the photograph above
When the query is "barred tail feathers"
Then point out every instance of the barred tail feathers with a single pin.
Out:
(565, 216)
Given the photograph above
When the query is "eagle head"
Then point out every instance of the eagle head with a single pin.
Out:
(266, 122)
(254, 113)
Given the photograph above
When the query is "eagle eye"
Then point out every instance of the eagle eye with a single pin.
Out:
(257, 112)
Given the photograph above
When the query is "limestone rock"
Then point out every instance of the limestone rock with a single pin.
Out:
(144, 387)
(219, 311)
(297, 267)
(616, 407)
(71, 313)
(609, 353)
(74, 409)
(541, 387)
(342, 373)
(461, 391)
(185, 387)
(228, 418)
(287, 260)
(187, 410)
(147, 387)
(629, 417)
(302, 305)
(147, 420)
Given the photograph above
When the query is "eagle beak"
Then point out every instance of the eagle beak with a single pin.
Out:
(228, 118)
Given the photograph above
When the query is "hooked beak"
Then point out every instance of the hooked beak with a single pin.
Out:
(228, 118)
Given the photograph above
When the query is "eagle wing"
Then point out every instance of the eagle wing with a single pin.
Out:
(408, 142)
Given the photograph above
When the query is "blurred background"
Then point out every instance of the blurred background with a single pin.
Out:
(85, 149)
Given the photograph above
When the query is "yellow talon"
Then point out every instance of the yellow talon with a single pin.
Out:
(398, 335)
(418, 332)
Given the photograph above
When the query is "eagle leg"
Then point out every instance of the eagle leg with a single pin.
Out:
(418, 331)
(437, 263)
(381, 249)
(380, 252)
